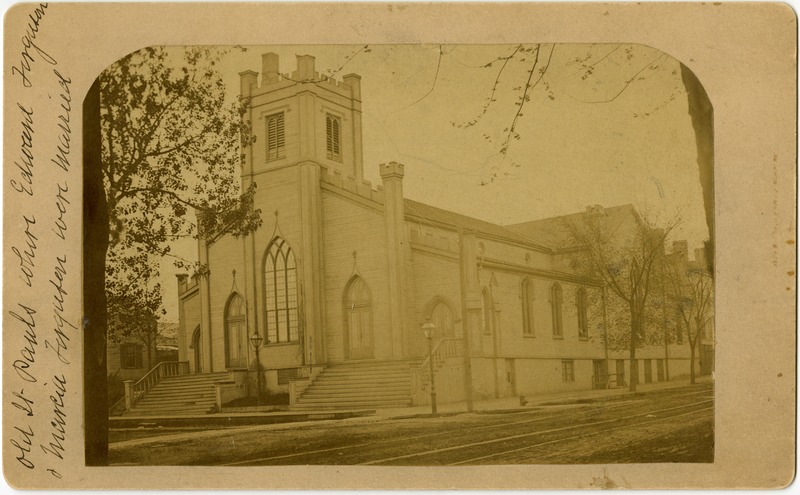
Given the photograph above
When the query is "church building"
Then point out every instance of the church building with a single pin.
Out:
(342, 276)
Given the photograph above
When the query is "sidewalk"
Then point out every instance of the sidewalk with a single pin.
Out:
(288, 419)
(511, 403)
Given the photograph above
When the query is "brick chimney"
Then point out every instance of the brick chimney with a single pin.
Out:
(270, 68)
(305, 68)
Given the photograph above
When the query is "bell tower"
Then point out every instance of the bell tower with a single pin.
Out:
(302, 116)
(302, 122)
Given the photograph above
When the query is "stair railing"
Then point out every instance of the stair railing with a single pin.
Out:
(449, 347)
(164, 369)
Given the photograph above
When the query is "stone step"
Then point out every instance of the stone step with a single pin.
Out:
(361, 381)
(377, 388)
(349, 405)
(158, 391)
(177, 400)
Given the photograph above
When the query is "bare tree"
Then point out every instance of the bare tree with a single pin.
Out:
(626, 261)
(691, 290)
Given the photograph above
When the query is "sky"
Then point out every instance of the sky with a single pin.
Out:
(621, 134)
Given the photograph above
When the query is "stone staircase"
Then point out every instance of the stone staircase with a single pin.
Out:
(182, 395)
(360, 385)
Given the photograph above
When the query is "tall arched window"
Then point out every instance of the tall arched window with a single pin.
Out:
(528, 297)
(280, 293)
(333, 131)
(582, 305)
(358, 320)
(486, 311)
(275, 136)
(556, 298)
(235, 333)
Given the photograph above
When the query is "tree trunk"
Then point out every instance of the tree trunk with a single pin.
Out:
(634, 364)
(95, 326)
(691, 365)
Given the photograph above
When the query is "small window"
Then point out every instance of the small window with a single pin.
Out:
(275, 137)
(583, 323)
(130, 356)
(556, 298)
(333, 130)
(568, 370)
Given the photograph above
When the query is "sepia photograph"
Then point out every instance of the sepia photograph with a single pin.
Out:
(416, 246)
(423, 254)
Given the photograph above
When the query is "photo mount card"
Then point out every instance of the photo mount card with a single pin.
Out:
(399, 246)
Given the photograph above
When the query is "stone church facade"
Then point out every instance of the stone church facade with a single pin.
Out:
(345, 272)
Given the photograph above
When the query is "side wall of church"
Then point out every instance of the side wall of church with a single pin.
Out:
(435, 278)
(278, 191)
(189, 321)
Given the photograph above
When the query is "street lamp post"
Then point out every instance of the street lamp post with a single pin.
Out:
(428, 328)
(256, 339)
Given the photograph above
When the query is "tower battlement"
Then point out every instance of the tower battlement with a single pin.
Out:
(361, 187)
(305, 72)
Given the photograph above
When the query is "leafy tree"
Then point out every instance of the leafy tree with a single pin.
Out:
(134, 305)
(161, 150)
(627, 262)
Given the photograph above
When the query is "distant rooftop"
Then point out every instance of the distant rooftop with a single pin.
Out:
(427, 212)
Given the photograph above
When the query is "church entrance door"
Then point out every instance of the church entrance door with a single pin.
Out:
(235, 334)
(358, 321)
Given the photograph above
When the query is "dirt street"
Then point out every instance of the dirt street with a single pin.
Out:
(672, 425)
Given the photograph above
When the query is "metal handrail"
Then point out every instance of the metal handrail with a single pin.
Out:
(146, 383)
(448, 347)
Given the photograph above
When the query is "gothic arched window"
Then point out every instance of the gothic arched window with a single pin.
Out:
(333, 131)
(556, 299)
(280, 293)
(528, 297)
(275, 136)
(486, 311)
(582, 305)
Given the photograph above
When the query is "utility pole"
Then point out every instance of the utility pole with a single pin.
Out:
(465, 320)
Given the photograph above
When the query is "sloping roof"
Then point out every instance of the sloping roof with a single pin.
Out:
(167, 333)
(432, 213)
(553, 231)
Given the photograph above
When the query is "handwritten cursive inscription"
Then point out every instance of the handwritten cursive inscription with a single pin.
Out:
(23, 444)
(61, 203)
(60, 339)
(30, 49)
(58, 421)
(28, 352)
(65, 132)
(37, 437)
(26, 151)
(28, 253)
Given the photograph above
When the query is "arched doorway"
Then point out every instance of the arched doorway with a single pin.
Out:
(441, 315)
(235, 333)
(197, 346)
(358, 342)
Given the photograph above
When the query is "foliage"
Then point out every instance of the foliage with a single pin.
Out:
(171, 146)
